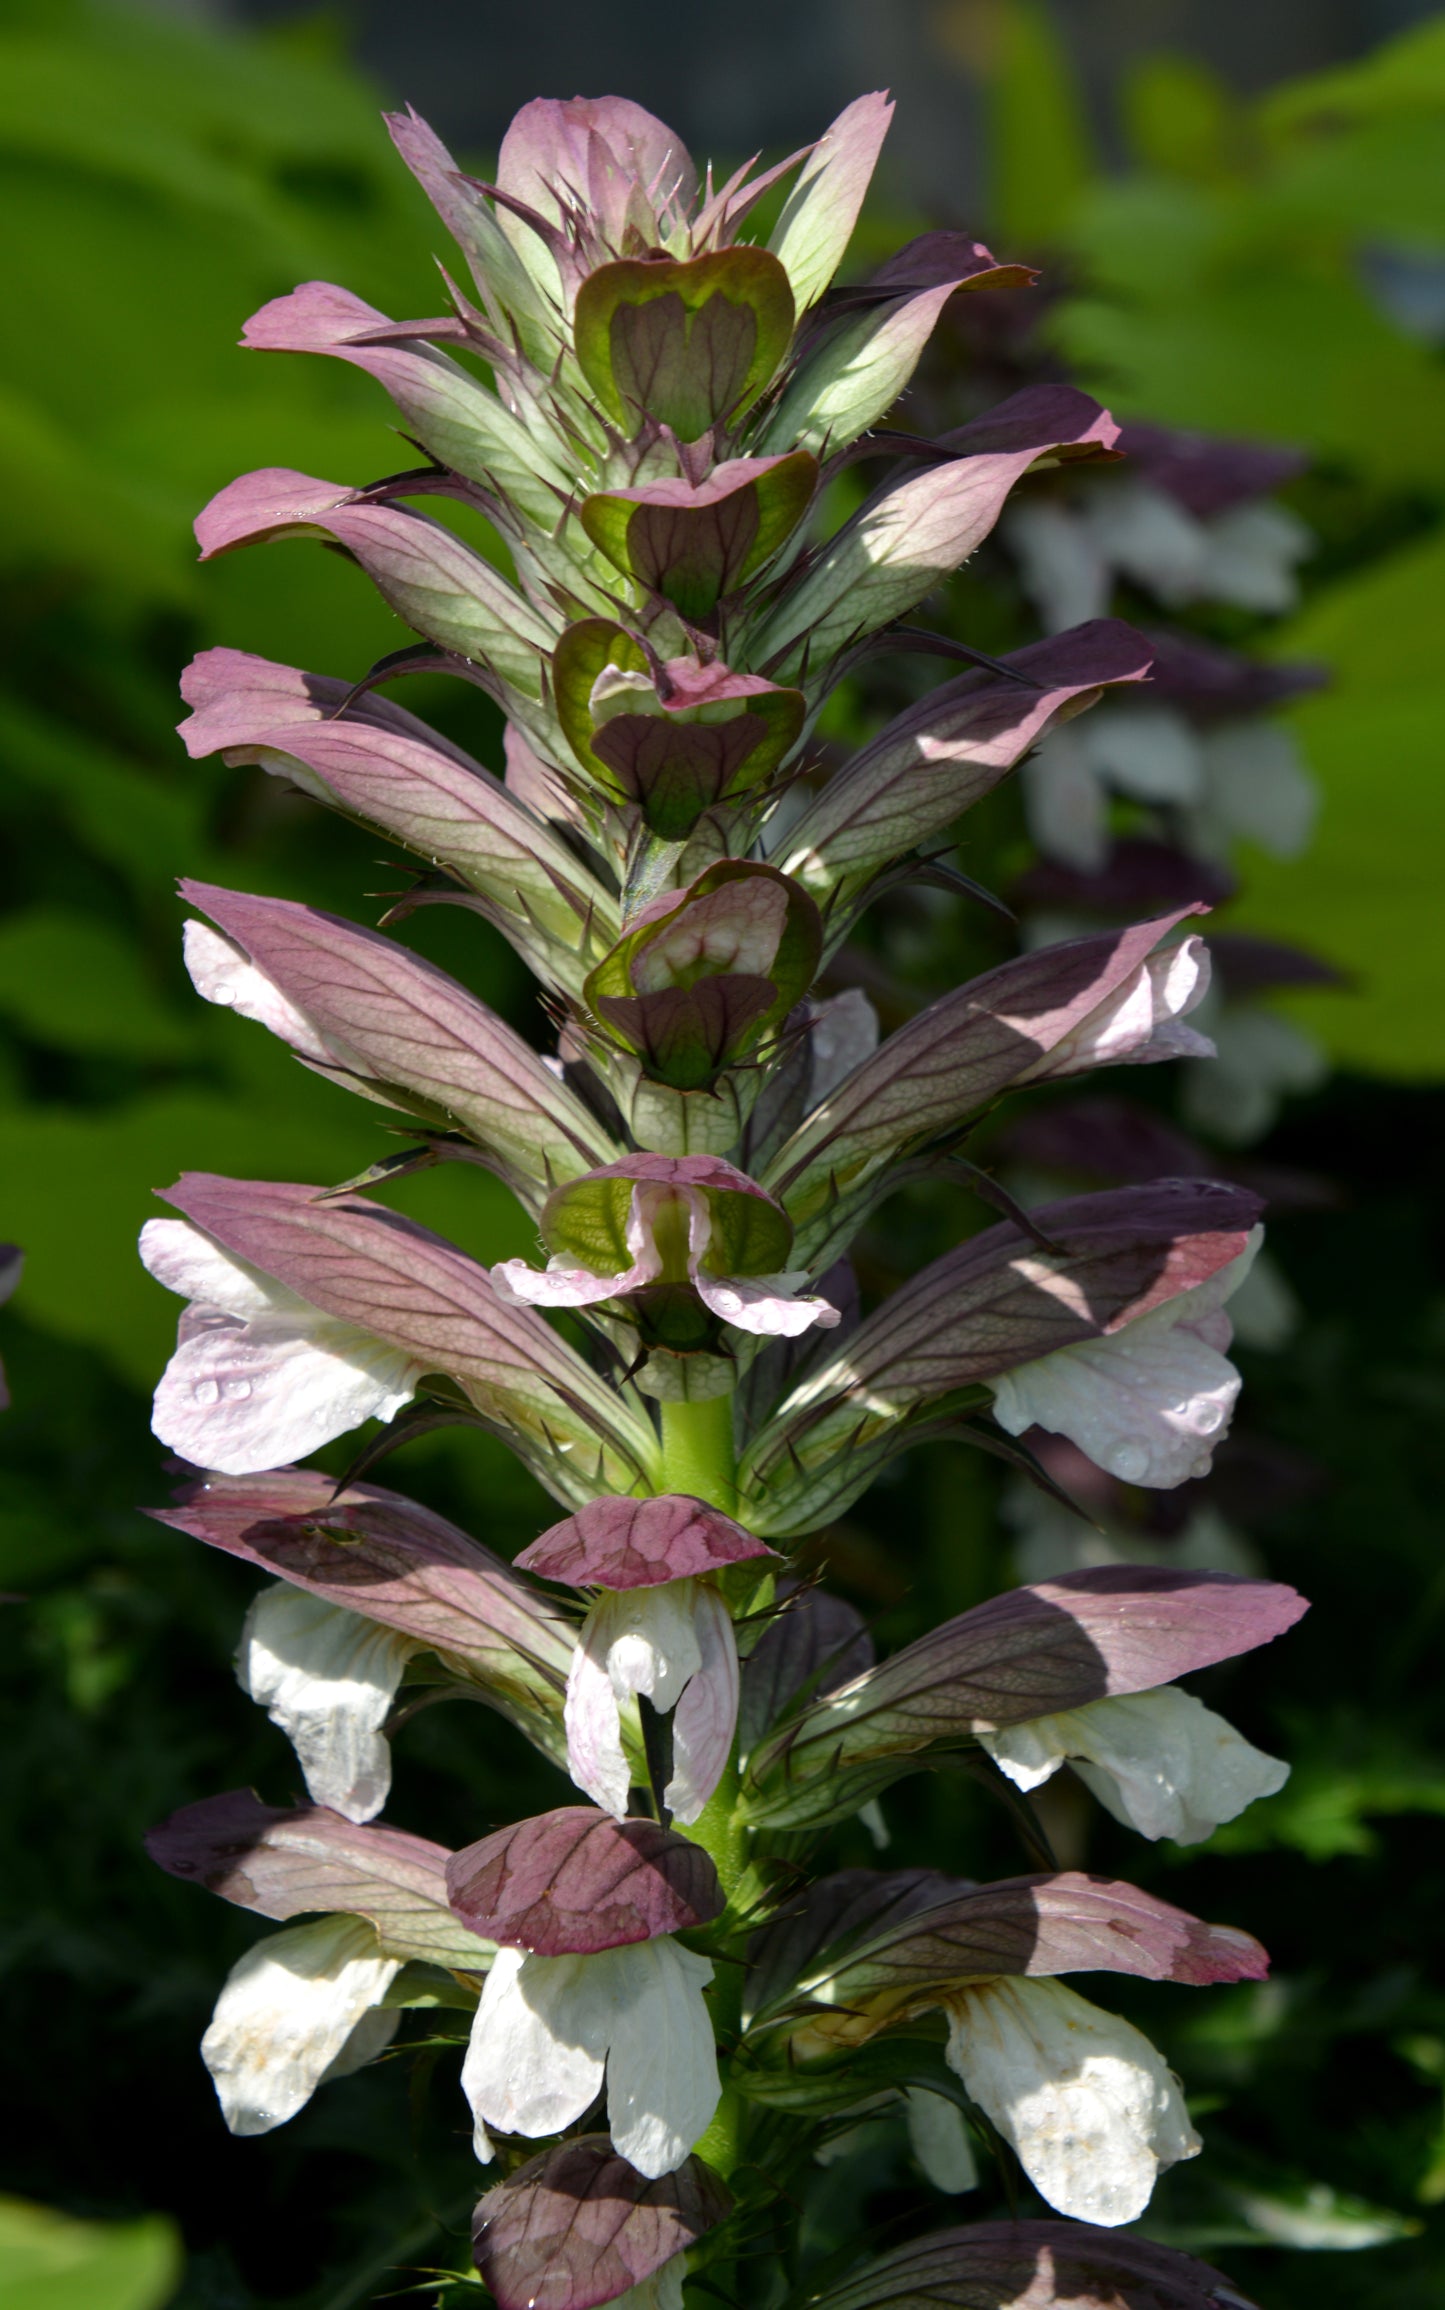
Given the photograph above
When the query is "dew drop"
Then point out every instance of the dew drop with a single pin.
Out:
(235, 1391)
(1131, 1463)
(206, 1392)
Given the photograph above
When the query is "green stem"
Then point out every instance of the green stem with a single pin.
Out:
(698, 1457)
(697, 1451)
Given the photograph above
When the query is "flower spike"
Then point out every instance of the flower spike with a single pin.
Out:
(655, 422)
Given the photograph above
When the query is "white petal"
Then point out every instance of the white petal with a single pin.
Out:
(1085, 2099)
(187, 1260)
(239, 1397)
(651, 1638)
(538, 2046)
(842, 1033)
(705, 1718)
(562, 1283)
(596, 1758)
(1256, 785)
(662, 2077)
(765, 1304)
(1148, 1403)
(1029, 1753)
(939, 2138)
(224, 973)
(1065, 803)
(1141, 1021)
(1166, 1764)
(1150, 752)
(1250, 556)
(290, 2015)
(327, 1677)
(1059, 562)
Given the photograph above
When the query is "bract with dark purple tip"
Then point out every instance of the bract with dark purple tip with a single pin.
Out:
(578, 2225)
(1039, 1926)
(575, 1881)
(1093, 1635)
(307, 1860)
(1033, 2266)
(616, 1543)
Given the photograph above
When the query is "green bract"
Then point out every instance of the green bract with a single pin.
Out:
(689, 344)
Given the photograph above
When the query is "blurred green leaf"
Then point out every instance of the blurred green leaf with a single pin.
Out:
(1367, 892)
(1041, 148)
(70, 980)
(1180, 118)
(1405, 75)
(49, 2262)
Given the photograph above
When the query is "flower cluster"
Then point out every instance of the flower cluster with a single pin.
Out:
(658, 419)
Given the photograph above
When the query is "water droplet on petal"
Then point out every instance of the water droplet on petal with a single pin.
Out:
(206, 1392)
(1131, 1463)
(235, 1391)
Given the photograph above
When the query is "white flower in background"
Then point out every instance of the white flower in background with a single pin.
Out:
(1143, 1020)
(1087, 2102)
(1251, 552)
(1148, 1402)
(297, 2009)
(939, 2138)
(1159, 1761)
(1246, 555)
(1049, 1539)
(1147, 536)
(1260, 1060)
(1065, 801)
(1151, 753)
(1060, 563)
(548, 2029)
(675, 1644)
(328, 1678)
(260, 1377)
(1254, 787)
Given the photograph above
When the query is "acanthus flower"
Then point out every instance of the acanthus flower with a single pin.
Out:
(260, 1375)
(658, 1630)
(303, 2006)
(1083, 2097)
(1160, 1761)
(1150, 1401)
(681, 1238)
(328, 1678)
(588, 1982)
